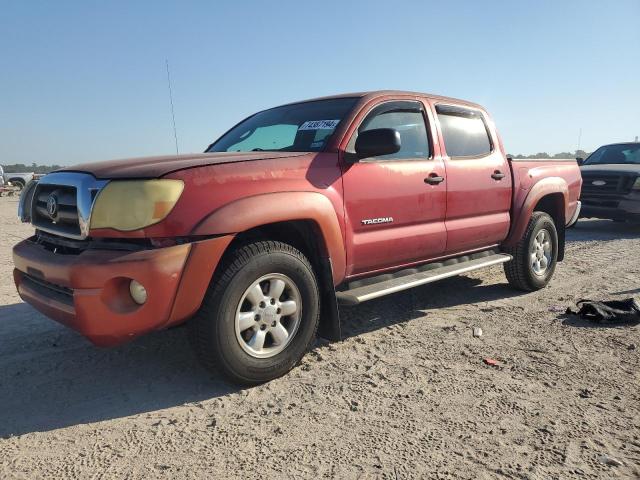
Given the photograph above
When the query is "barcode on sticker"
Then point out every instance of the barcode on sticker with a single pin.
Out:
(319, 125)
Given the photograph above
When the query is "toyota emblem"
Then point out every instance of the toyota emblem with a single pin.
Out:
(52, 206)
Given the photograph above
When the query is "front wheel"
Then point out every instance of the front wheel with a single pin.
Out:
(260, 314)
(535, 256)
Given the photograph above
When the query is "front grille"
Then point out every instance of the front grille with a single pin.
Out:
(607, 183)
(61, 204)
(62, 219)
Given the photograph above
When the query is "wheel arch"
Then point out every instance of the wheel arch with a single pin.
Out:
(304, 211)
(305, 220)
(549, 195)
(20, 180)
(553, 205)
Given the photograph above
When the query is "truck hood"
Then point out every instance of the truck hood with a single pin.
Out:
(612, 168)
(154, 167)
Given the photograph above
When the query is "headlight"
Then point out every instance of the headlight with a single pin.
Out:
(636, 185)
(134, 204)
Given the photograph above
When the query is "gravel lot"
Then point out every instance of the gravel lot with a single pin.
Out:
(405, 395)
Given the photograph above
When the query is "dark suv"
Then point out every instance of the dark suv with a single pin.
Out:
(611, 182)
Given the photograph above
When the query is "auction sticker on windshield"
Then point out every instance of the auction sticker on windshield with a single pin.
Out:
(319, 125)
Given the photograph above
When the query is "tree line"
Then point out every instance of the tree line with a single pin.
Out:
(576, 154)
(22, 168)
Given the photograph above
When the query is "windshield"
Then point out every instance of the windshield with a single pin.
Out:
(301, 127)
(615, 154)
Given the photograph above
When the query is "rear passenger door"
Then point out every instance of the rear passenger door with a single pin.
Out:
(394, 215)
(479, 185)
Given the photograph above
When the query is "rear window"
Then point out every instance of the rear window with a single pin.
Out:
(464, 131)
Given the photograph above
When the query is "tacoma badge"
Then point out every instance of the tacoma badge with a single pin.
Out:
(371, 221)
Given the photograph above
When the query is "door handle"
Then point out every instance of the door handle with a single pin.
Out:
(434, 179)
(497, 175)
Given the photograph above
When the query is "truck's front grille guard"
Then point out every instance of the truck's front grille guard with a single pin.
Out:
(86, 187)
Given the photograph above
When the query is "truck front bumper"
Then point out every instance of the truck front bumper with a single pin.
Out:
(89, 291)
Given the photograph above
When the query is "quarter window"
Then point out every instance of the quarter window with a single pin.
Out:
(464, 131)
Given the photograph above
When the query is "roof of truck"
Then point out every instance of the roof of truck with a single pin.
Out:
(381, 93)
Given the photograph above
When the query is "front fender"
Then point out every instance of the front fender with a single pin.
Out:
(525, 202)
(249, 212)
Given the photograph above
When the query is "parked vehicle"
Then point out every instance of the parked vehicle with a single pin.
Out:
(611, 187)
(295, 209)
(16, 179)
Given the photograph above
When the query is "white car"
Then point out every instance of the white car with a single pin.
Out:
(17, 179)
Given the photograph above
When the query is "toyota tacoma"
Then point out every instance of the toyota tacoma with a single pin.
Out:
(293, 212)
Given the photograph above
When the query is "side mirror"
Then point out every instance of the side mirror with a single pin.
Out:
(376, 142)
(580, 160)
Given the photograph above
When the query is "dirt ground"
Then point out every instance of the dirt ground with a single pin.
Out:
(405, 395)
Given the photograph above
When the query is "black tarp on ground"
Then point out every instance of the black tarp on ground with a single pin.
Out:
(627, 310)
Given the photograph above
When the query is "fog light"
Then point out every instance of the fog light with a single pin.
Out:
(138, 292)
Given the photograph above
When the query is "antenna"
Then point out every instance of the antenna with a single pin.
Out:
(173, 116)
(579, 137)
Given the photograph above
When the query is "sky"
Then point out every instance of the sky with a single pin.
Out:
(86, 80)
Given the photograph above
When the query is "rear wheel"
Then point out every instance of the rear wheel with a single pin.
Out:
(535, 256)
(260, 314)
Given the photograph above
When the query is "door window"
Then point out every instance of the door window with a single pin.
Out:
(464, 131)
(405, 117)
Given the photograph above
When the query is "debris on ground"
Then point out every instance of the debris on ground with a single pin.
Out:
(491, 362)
(607, 460)
(586, 393)
(627, 310)
(556, 308)
(477, 332)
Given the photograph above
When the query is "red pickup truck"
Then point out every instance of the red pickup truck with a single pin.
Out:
(293, 211)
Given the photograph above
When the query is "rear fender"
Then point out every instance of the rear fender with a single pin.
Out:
(525, 203)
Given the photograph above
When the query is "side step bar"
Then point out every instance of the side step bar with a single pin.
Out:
(360, 294)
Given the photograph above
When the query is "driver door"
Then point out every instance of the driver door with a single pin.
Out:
(395, 204)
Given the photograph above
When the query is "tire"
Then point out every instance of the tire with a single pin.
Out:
(522, 272)
(218, 332)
